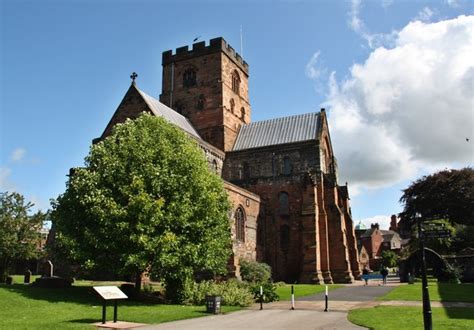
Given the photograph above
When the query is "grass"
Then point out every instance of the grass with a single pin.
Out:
(302, 290)
(438, 292)
(20, 278)
(27, 307)
(388, 317)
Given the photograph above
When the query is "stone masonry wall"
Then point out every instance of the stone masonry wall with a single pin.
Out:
(208, 103)
(247, 249)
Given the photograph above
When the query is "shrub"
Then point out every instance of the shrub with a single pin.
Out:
(255, 272)
(269, 292)
(233, 293)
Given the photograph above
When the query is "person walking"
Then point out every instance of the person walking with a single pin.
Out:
(365, 274)
(384, 273)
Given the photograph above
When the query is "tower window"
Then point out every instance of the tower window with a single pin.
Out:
(239, 224)
(284, 237)
(242, 113)
(235, 82)
(232, 105)
(215, 167)
(283, 203)
(189, 78)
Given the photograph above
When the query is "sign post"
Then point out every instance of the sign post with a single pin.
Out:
(427, 319)
(109, 293)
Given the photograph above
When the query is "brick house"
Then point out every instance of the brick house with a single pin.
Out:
(372, 242)
(281, 174)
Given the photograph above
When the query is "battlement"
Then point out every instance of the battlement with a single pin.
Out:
(200, 49)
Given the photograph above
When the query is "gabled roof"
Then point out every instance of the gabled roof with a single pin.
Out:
(159, 109)
(278, 131)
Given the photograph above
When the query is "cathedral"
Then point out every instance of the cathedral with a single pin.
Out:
(280, 174)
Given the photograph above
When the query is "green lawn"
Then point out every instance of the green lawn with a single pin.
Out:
(302, 290)
(27, 307)
(388, 317)
(438, 292)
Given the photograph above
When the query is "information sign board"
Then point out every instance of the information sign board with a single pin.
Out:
(110, 292)
(436, 234)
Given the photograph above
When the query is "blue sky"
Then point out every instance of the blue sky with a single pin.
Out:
(397, 98)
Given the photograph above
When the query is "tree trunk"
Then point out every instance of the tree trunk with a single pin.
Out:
(138, 281)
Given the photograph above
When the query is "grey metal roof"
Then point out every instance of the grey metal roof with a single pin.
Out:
(159, 109)
(278, 131)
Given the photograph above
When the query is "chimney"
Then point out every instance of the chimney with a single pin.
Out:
(393, 223)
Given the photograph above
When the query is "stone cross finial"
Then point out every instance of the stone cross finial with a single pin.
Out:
(133, 76)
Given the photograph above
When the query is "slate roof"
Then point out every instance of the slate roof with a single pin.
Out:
(277, 131)
(159, 109)
(387, 235)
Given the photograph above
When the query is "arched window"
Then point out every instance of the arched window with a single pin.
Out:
(215, 167)
(239, 224)
(235, 82)
(232, 105)
(246, 170)
(283, 203)
(189, 78)
(287, 168)
(284, 238)
(242, 113)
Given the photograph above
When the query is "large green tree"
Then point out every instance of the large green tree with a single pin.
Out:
(19, 231)
(443, 198)
(447, 194)
(146, 201)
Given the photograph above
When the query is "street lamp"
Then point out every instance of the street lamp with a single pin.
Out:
(427, 319)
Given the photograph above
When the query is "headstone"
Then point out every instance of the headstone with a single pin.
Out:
(47, 269)
(27, 276)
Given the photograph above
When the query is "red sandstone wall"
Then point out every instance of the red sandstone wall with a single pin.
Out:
(251, 206)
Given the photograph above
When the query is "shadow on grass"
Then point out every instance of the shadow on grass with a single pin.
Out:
(76, 294)
(457, 293)
(84, 321)
(460, 313)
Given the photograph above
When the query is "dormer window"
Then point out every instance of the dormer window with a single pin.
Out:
(236, 82)
(189, 78)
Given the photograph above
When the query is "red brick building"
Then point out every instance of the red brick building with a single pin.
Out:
(372, 242)
(281, 175)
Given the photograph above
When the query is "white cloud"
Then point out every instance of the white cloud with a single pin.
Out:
(313, 68)
(358, 26)
(18, 155)
(5, 183)
(382, 220)
(452, 3)
(406, 108)
(424, 15)
(386, 3)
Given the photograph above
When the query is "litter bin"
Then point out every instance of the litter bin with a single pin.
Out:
(213, 304)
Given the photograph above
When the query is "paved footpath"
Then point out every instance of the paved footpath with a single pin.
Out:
(265, 319)
(309, 312)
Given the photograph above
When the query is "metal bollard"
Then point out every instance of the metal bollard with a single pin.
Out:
(326, 299)
(292, 298)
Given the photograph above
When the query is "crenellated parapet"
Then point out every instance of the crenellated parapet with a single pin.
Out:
(200, 49)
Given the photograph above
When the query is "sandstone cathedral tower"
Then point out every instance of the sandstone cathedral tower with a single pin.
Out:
(280, 174)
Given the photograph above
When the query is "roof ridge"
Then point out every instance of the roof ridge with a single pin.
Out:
(282, 118)
(147, 98)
